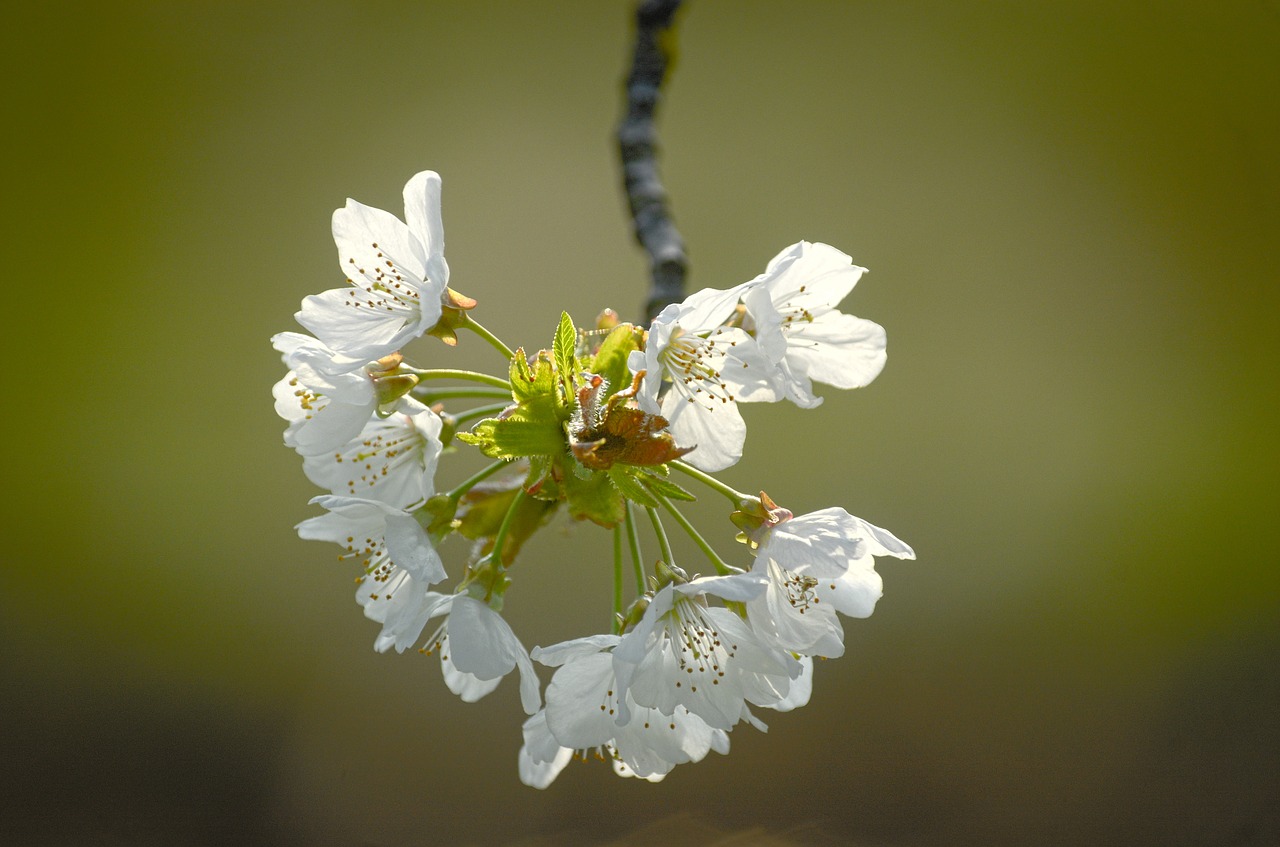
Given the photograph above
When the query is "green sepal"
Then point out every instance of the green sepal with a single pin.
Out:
(437, 515)
(665, 487)
(542, 479)
(594, 498)
(631, 487)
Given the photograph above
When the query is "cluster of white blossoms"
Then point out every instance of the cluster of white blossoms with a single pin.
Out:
(596, 424)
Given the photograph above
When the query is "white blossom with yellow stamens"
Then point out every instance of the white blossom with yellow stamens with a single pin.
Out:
(392, 460)
(793, 308)
(816, 565)
(396, 558)
(396, 276)
(326, 401)
(686, 653)
(708, 364)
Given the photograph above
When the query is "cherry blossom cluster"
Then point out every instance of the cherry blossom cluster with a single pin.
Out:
(600, 424)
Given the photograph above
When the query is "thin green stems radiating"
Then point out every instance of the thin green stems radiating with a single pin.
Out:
(479, 412)
(495, 342)
(634, 541)
(710, 481)
(720, 565)
(617, 580)
(500, 539)
(664, 544)
(474, 480)
(430, 395)
(455, 373)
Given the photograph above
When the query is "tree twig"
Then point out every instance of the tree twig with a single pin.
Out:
(637, 140)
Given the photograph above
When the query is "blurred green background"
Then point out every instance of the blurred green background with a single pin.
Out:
(1070, 214)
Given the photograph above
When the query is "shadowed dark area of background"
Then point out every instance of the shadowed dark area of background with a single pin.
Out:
(1070, 217)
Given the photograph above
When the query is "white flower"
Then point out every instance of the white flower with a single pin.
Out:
(396, 557)
(817, 565)
(392, 460)
(684, 653)
(582, 714)
(477, 649)
(793, 306)
(708, 365)
(326, 400)
(396, 275)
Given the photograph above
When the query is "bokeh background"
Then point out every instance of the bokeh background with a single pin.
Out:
(1070, 214)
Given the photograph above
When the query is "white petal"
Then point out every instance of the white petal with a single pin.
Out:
(838, 349)
(707, 309)
(882, 542)
(821, 543)
(801, 688)
(811, 276)
(330, 426)
(855, 592)
(747, 370)
(422, 214)
(373, 244)
(359, 325)
(402, 605)
(558, 654)
(737, 587)
(465, 685)
(482, 644)
(580, 712)
(410, 548)
(541, 758)
(422, 211)
(717, 432)
(812, 629)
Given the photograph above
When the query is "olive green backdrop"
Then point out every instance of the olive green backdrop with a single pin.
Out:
(1070, 215)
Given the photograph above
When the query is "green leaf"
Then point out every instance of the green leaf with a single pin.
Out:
(610, 360)
(595, 499)
(510, 437)
(564, 350)
(541, 481)
(631, 487)
(666, 487)
(534, 389)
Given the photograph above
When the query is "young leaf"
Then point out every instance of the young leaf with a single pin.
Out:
(511, 437)
(564, 350)
(631, 487)
(534, 388)
(665, 487)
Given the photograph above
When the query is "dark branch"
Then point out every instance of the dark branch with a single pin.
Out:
(637, 140)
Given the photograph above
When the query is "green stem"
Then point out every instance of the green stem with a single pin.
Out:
(664, 545)
(479, 412)
(634, 541)
(475, 479)
(710, 481)
(501, 538)
(454, 373)
(617, 580)
(431, 395)
(495, 342)
(722, 567)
